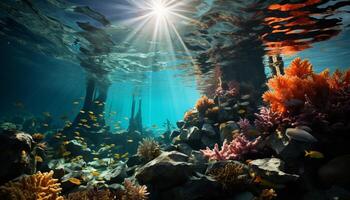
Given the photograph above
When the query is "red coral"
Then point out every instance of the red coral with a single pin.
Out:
(233, 150)
(300, 84)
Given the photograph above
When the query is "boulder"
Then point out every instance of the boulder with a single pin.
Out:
(336, 171)
(174, 133)
(184, 148)
(194, 134)
(180, 123)
(117, 174)
(168, 170)
(271, 169)
(16, 156)
(208, 130)
(203, 187)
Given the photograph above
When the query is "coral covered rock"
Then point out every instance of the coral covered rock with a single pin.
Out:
(40, 186)
(91, 194)
(148, 149)
(204, 103)
(133, 192)
(233, 150)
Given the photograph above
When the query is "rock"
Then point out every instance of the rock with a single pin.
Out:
(289, 150)
(271, 169)
(336, 171)
(133, 160)
(117, 174)
(184, 148)
(180, 124)
(223, 163)
(203, 187)
(167, 170)
(208, 142)
(300, 135)
(16, 156)
(194, 134)
(199, 161)
(77, 149)
(226, 130)
(208, 130)
(174, 133)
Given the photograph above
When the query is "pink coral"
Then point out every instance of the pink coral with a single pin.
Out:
(229, 89)
(244, 124)
(233, 150)
(267, 120)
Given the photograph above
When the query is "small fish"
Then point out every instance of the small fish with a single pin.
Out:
(154, 126)
(96, 159)
(46, 125)
(67, 153)
(126, 118)
(77, 133)
(83, 120)
(245, 97)
(74, 181)
(313, 154)
(97, 102)
(95, 173)
(65, 142)
(82, 111)
(264, 182)
(39, 159)
(76, 102)
(18, 104)
(91, 113)
(125, 155)
(117, 156)
(241, 111)
(47, 114)
(130, 141)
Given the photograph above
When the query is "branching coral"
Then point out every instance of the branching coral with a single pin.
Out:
(238, 147)
(244, 125)
(231, 175)
(267, 120)
(300, 84)
(148, 149)
(204, 103)
(40, 186)
(133, 192)
(92, 194)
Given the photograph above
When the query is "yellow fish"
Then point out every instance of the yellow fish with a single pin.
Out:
(39, 159)
(125, 155)
(130, 141)
(77, 133)
(46, 125)
(91, 113)
(67, 153)
(314, 154)
(117, 156)
(264, 182)
(82, 112)
(95, 173)
(241, 111)
(74, 181)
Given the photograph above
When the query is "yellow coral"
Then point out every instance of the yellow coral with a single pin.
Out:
(204, 103)
(40, 186)
(148, 149)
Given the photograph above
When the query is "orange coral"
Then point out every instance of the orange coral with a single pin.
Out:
(39, 186)
(204, 103)
(300, 83)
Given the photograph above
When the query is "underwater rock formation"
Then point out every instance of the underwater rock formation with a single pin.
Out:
(135, 121)
(16, 157)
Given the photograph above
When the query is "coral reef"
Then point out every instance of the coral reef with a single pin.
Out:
(148, 149)
(288, 93)
(133, 192)
(267, 120)
(40, 186)
(239, 146)
(203, 104)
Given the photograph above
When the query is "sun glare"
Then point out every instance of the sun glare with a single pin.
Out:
(160, 9)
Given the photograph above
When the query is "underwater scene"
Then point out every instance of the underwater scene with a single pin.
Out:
(174, 100)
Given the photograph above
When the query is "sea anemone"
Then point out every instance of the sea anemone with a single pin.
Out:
(148, 149)
(238, 147)
(133, 192)
(203, 103)
(35, 187)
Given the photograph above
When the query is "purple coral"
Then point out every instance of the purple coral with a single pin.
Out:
(233, 150)
(244, 124)
(267, 120)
